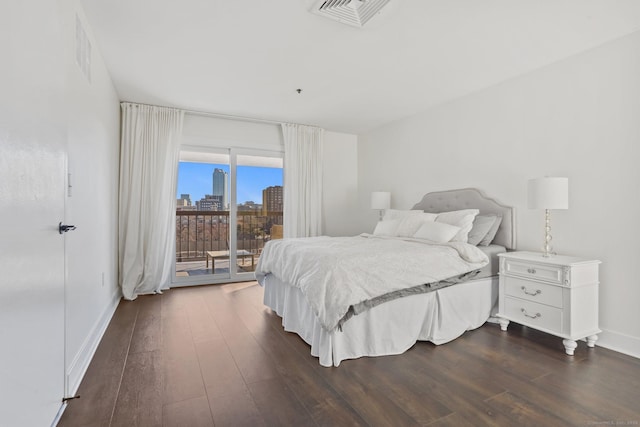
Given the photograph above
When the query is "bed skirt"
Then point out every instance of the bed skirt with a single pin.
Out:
(390, 328)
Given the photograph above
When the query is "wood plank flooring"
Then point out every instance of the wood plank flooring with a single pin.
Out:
(215, 355)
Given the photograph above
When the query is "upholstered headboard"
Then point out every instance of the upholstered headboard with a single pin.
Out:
(472, 198)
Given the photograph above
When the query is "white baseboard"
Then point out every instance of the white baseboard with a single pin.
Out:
(56, 420)
(78, 367)
(621, 343)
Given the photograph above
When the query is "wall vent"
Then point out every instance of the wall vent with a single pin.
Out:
(351, 12)
(83, 50)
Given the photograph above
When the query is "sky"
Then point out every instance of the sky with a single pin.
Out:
(196, 179)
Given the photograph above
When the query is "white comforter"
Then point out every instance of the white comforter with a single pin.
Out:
(335, 273)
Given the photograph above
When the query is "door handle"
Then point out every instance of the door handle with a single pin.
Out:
(63, 228)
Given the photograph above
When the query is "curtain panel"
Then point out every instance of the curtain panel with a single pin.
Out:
(303, 147)
(149, 154)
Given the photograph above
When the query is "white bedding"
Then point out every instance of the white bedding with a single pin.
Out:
(390, 328)
(371, 266)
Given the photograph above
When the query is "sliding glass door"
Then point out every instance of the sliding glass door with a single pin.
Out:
(258, 202)
(229, 203)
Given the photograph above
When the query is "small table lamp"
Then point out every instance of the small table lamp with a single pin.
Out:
(548, 193)
(380, 200)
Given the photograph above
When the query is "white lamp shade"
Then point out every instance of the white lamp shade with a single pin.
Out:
(380, 200)
(549, 193)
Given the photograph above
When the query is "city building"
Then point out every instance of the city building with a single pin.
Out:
(221, 187)
(249, 206)
(272, 200)
(184, 202)
(210, 203)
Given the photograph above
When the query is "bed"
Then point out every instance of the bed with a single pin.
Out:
(392, 326)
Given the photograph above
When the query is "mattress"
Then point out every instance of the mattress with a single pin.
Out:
(492, 268)
(389, 328)
(340, 274)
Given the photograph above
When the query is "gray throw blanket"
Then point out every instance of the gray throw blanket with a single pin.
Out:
(420, 289)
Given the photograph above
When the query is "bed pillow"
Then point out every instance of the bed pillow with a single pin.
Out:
(486, 240)
(438, 232)
(386, 228)
(390, 214)
(481, 226)
(412, 222)
(462, 218)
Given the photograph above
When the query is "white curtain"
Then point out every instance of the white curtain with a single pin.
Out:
(149, 154)
(302, 180)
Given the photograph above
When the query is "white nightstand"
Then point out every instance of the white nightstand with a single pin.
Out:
(557, 295)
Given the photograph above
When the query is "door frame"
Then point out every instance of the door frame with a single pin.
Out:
(214, 146)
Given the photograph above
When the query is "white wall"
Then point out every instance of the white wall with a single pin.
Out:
(340, 184)
(340, 159)
(92, 291)
(577, 118)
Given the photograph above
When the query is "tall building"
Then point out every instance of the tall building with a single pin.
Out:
(272, 199)
(220, 187)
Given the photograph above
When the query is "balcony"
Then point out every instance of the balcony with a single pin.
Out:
(200, 231)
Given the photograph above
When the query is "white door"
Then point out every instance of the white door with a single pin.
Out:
(32, 191)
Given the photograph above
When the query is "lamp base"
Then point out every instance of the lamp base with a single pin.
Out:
(547, 249)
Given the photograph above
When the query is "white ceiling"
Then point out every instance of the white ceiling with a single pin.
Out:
(248, 57)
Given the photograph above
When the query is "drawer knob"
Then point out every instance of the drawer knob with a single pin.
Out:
(533, 294)
(535, 316)
(531, 270)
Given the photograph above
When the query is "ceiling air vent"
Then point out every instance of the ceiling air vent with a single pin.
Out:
(351, 12)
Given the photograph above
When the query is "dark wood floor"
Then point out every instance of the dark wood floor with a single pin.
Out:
(214, 355)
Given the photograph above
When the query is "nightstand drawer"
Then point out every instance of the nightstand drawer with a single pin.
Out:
(533, 291)
(548, 273)
(533, 314)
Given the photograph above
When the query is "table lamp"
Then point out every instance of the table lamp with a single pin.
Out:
(548, 193)
(380, 200)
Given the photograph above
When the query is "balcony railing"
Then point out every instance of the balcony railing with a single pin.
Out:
(200, 231)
